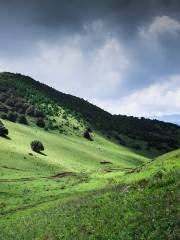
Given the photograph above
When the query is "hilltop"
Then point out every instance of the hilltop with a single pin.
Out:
(69, 114)
(111, 185)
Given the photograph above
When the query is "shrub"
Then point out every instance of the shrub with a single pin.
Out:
(12, 117)
(22, 119)
(40, 122)
(37, 146)
(87, 135)
(30, 111)
(3, 130)
(137, 147)
(3, 109)
(38, 113)
(4, 116)
(3, 97)
(11, 102)
(89, 129)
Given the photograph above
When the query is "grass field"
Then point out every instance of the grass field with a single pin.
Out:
(84, 190)
(26, 177)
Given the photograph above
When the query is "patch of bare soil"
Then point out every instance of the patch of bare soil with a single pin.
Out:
(61, 175)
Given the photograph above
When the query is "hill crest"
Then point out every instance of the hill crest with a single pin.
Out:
(58, 109)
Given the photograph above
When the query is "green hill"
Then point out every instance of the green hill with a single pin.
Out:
(69, 114)
(109, 188)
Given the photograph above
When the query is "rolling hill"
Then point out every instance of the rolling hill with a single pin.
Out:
(113, 187)
(66, 113)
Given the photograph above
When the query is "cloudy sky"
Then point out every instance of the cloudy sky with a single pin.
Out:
(122, 55)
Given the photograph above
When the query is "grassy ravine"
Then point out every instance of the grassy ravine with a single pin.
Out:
(132, 197)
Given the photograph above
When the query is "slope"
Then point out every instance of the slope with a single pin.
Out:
(69, 165)
(143, 205)
(93, 187)
(21, 95)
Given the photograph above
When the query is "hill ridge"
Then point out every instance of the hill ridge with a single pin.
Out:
(140, 134)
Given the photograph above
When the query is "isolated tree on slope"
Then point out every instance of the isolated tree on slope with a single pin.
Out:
(37, 146)
(3, 130)
(87, 135)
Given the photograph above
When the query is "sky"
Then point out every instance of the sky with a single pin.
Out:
(122, 55)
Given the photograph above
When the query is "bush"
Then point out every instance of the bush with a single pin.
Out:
(37, 146)
(3, 130)
(3, 109)
(87, 135)
(4, 116)
(12, 117)
(40, 122)
(11, 102)
(137, 147)
(89, 129)
(38, 113)
(22, 119)
(30, 111)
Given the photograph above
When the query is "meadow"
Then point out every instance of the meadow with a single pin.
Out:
(28, 178)
(79, 189)
(113, 183)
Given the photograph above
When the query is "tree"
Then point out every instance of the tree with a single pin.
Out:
(87, 135)
(22, 119)
(4, 116)
(40, 122)
(3, 130)
(37, 146)
(30, 111)
(12, 116)
(38, 113)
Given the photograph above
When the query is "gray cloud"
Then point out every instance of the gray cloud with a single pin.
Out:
(103, 51)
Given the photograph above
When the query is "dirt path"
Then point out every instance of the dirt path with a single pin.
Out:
(29, 179)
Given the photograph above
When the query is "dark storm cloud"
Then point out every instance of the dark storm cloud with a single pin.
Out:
(22, 22)
(61, 13)
(23, 19)
(122, 46)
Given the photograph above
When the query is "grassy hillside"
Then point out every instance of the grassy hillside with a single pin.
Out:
(77, 188)
(26, 178)
(23, 96)
(142, 205)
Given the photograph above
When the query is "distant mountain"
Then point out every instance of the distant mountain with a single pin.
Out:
(173, 118)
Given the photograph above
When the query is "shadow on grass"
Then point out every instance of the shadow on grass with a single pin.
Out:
(42, 153)
(6, 137)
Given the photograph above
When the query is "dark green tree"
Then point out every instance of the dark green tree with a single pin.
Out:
(37, 146)
(3, 130)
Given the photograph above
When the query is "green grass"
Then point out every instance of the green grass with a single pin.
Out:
(24, 178)
(131, 198)
(143, 209)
